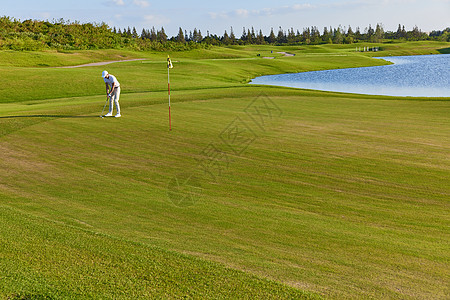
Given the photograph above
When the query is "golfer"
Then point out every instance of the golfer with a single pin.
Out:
(113, 92)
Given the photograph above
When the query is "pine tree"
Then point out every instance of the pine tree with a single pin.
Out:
(315, 35)
(415, 34)
(272, 39)
(226, 39)
(398, 34)
(379, 33)
(350, 31)
(232, 37)
(260, 38)
(358, 34)
(298, 37)
(370, 32)
(350, 36)
(180, 36)
(153, 35)
(404, 34)
(197, 36)
(338, 37)
(291, 36)
(325, 35)
(244, 36)
(161, 36)
(306, 35)
(253, 36)
(281, 38)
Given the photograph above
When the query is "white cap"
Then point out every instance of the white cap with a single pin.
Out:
(104, 73)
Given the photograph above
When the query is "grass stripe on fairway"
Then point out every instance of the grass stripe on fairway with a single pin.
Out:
(333, 176)
(44, 259)
(342, 195)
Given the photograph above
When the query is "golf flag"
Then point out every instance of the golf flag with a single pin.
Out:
(169, 62)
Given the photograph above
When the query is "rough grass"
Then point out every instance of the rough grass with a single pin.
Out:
(345, 196)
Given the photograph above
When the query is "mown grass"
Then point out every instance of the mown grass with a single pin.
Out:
(68, 262)
(345, 196)
(150, 75)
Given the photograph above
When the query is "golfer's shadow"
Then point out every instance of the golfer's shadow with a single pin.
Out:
(48, 116)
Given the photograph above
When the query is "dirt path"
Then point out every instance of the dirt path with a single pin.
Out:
(284, 53)
(99, 63)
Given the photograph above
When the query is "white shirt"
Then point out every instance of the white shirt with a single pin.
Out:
(112, 79)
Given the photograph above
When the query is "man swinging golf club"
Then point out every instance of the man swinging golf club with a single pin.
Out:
(113, 93)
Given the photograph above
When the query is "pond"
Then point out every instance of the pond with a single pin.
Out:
(414, 76)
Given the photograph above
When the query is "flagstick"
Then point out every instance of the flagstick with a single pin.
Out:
(168, 86)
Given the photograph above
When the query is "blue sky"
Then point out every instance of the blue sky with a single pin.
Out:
(217, 17)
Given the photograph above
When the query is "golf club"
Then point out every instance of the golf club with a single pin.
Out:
(107, 98)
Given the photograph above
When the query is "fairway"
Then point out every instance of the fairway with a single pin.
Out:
(257, 192)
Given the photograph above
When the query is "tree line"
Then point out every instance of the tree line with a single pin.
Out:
(65, 35)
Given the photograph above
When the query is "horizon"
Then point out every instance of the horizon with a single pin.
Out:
(228, 31)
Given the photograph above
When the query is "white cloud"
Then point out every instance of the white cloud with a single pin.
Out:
(141, 3)
(302, 6)
(221, 15)
(155, 20)
(118, 2)
(242, 13)
(263, 12)
(267, 11)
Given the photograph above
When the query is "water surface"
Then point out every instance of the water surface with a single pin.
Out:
(416, 76)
